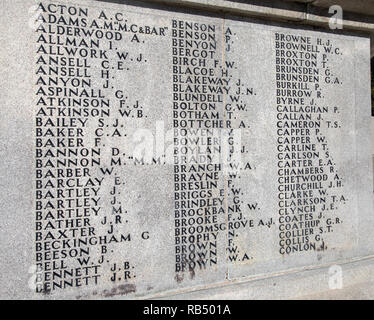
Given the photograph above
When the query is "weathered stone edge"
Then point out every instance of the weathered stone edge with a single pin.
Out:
(319, 277)
(297, 12)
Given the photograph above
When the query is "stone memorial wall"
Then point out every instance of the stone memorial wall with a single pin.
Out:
(148, 149)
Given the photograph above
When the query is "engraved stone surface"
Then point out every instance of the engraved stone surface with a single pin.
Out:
(147, 150)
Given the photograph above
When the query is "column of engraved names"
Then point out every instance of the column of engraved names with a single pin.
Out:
(66, 195)
(305, 166)
(197, 97)
(81, 118)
